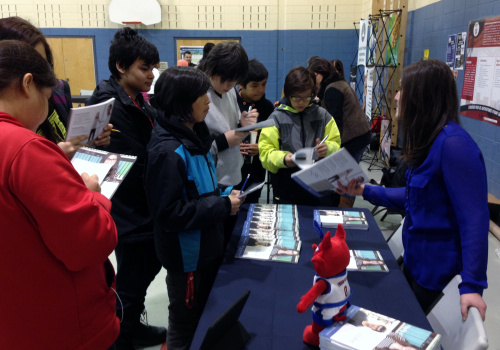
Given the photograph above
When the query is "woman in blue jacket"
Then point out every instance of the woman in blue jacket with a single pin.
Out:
(446, 225)
(187, 204)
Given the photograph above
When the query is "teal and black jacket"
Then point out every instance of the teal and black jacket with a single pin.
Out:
(187, 204)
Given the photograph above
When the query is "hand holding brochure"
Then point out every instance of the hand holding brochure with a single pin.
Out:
(110, 168)
(305, 157)
(89, 120)
(323, 175)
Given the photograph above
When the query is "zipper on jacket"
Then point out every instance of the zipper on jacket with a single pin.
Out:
(210, 171)
(302, 130)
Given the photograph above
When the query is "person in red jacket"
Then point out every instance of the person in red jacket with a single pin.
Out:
(56, 230)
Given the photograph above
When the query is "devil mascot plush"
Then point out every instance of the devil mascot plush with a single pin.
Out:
(330, 293)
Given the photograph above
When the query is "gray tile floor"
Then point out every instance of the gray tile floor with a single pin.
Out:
(157, 299)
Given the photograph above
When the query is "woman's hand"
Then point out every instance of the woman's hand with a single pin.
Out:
(235, 201)
(352, 189)
(70, 147)
(475, 300)
(249, 149)
(104, 138)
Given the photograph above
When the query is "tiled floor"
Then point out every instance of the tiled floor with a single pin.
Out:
(157, 299)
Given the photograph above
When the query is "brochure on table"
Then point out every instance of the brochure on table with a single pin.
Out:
(271, 232)
(350, 219)
(367, 330)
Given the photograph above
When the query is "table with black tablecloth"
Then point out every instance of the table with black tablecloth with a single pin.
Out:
(270, 314)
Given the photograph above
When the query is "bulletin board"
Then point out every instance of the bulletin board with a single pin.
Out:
(199, 42)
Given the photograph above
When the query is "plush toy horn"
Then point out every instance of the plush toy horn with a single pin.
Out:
(340, 232)
(326, 243)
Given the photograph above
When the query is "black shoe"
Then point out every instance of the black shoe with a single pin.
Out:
(144, 335)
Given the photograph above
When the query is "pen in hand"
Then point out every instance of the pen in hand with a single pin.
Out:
(324, 139)
(244, 184)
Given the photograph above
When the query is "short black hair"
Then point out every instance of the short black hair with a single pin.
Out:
(126, 47)
(189, 52)
(228, 60)
(256, 72)
(299, 79)
(207, 48)
(177, 89)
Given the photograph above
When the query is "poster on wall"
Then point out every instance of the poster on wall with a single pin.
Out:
(393, 44)
(385, 140)
(353, 76)
(372, 52)
(196, 53)
(363, 38)
(460, 52)
(369, 73)
(480, 98)
(450, 50)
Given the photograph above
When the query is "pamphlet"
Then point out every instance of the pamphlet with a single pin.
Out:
(261, 125)
(366, 260)
(110, 168)
(252, 188)
(323, 175)
(305, 157)
(271, 232)
(367, 330)
(350, 219)
(89, 120)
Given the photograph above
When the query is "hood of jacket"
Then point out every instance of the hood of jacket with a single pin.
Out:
(196, 141)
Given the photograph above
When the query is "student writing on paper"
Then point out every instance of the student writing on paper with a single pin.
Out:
(54, 126)
(251, 92)
(226, 65)
(188, 205)
(446, 226)
(131, 61)
(299, 124)
(61, 295)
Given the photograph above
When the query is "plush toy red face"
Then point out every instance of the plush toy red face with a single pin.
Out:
(332, 255)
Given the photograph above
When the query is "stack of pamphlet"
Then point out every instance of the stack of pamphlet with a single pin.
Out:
(271, 232)
(368, 330)
(366, 260)
(350, 219)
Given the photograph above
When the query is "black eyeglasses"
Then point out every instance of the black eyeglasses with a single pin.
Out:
(297, 99)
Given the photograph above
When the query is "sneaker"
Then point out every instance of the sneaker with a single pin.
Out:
(146, 335)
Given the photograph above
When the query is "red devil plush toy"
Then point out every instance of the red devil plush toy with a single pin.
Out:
(330, 292)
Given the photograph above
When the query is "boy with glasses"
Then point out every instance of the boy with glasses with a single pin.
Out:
(299, 124)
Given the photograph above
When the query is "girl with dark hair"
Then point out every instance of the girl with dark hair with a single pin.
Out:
(338, 66)
(340, 100)
(299, 124)
(54, 126)
(187, 204)
(53, 220)
(445, 232)
(131, 62)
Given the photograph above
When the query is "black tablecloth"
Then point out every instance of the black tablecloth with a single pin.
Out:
(270, 314)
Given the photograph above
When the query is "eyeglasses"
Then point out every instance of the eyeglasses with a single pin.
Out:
(297, 99)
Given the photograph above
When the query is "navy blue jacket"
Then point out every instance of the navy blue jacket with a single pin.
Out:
(130, 210)
(182, 191)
